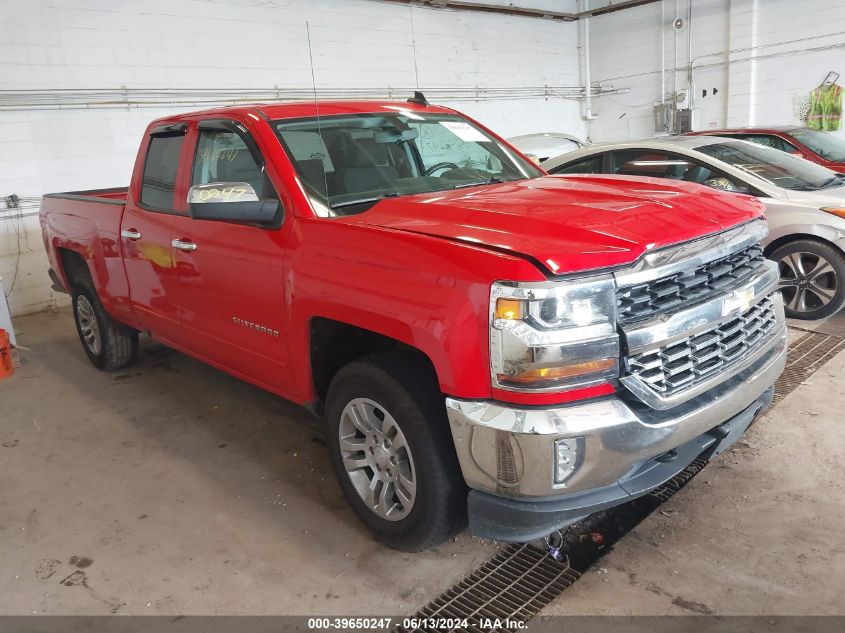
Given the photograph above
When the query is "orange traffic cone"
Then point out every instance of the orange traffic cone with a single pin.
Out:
(6, 366)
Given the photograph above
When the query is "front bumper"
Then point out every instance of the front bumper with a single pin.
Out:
(520, 521)
(507, 454)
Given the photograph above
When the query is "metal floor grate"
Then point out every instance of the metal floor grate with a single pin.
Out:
(515, 584)
(806, 356)
(664, 492)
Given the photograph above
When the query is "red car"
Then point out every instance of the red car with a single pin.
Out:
(482, 340)
(819, 147)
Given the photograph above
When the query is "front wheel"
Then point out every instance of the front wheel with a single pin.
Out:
(812, 278)
(392, 454)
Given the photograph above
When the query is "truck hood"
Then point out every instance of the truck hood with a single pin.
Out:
(569, 223)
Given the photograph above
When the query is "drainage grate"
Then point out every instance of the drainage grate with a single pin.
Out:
(522, 579)
(806, 356)
(514, 585)
(664, 492)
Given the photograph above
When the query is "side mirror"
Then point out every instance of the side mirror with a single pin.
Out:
(231, 202)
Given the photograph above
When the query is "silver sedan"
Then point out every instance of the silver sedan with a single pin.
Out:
(805, 203)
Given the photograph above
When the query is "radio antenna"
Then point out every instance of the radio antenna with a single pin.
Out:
(317, 111)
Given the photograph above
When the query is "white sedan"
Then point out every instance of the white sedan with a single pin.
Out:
(805, 203)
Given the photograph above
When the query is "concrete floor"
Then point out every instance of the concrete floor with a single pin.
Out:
(171, 488)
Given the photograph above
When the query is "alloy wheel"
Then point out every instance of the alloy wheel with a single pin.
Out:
(808, 281)
(377, 459)
(88, 325)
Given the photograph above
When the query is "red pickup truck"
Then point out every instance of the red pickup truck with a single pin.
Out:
(483, 341)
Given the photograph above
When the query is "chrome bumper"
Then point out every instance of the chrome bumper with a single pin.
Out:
(509, 452)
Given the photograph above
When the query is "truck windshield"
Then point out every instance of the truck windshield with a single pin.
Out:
(825, 145)
(350, 162)
(778, 168)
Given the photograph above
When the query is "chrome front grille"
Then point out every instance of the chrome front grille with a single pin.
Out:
(646, 300)
(683, 364)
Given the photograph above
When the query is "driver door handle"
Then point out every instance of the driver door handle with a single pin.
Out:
(130, 234)
(184, 245)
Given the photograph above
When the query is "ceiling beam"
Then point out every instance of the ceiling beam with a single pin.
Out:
(461, 5)
(611, 8)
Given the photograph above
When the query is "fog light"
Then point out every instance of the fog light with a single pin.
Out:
(568, 453)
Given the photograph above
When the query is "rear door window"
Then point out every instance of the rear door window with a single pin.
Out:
(158, 181)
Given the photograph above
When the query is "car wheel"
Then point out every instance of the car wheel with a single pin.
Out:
(392, 452)
(108, 344)
(812, 278)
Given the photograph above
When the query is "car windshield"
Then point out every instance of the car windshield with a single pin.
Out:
(825, 145)
(350, 162)
(778, 168)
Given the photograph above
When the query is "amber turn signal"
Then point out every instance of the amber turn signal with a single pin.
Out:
(542, 374)
(837, 211)
(510, 309)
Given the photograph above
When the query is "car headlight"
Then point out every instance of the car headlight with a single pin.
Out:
(553, 336)
(837, 211)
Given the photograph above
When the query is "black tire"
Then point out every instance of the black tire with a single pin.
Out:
(805, 296)
(411, 396)
(118, 344)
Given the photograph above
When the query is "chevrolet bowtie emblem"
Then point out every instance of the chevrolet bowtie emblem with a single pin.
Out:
(739, 300)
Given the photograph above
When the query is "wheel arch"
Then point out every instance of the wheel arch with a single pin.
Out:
(334, 344)
(73, 267)
(782, 237)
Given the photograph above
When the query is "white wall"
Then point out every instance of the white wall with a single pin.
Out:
(240, 44)
(755, 87)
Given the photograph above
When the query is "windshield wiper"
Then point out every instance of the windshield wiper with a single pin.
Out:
(351, 203)
(489, 181)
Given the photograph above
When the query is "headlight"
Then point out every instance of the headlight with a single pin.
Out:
(553, 336)
(838, 211)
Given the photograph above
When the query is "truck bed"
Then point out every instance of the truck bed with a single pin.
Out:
(87, 225)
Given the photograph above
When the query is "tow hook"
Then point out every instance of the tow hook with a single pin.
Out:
(554, 544)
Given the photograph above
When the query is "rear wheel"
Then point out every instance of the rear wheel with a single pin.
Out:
(391, 450)
(109, 345)
(812, 278)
